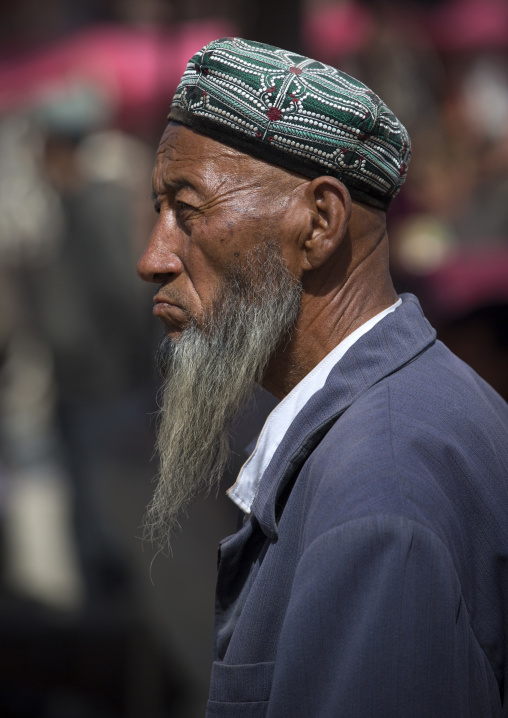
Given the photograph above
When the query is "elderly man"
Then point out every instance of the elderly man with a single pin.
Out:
(369, 576)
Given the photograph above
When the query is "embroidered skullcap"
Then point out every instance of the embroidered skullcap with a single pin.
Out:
(297, 113)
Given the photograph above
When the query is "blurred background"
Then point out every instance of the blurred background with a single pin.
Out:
(92, 622)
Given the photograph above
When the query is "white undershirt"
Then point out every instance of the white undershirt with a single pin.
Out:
(244, 490)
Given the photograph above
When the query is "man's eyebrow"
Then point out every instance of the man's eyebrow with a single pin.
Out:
(173, 186)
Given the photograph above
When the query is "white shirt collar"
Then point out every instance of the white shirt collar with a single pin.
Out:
(244, 490)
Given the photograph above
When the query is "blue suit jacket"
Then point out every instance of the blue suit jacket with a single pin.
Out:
(371, 579)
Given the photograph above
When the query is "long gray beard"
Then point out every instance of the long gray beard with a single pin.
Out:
(210, 372)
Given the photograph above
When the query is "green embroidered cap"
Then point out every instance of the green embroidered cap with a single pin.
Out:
(297, 113)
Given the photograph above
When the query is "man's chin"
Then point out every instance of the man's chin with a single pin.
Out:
(172, 334)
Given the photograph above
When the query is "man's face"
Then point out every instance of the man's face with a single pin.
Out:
(227, 296)
(215, 204)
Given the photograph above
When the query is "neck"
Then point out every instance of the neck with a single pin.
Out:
(335, 302)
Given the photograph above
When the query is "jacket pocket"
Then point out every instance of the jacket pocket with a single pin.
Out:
(239, 691)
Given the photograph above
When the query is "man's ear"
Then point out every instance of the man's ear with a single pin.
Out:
(330, 204)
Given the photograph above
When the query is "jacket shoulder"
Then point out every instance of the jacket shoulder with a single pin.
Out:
(429, 442)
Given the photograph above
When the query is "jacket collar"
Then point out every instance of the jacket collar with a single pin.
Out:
(394, 342)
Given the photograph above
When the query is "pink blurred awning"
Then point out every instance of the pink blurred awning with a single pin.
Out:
(460, 25)
(137, 70)
(335, 31)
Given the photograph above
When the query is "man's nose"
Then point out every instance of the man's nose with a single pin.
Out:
(159, 262)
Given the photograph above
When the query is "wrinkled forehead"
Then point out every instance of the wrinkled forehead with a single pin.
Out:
(181, 148)
(185, 152)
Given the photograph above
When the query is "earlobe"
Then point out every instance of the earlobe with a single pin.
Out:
(330, 204)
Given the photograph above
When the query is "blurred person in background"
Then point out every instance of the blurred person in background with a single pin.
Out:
(87, 309)
(368, 575)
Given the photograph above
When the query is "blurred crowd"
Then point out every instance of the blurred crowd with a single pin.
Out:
(84, 90)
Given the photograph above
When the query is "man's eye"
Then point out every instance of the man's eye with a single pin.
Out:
(183, 207)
